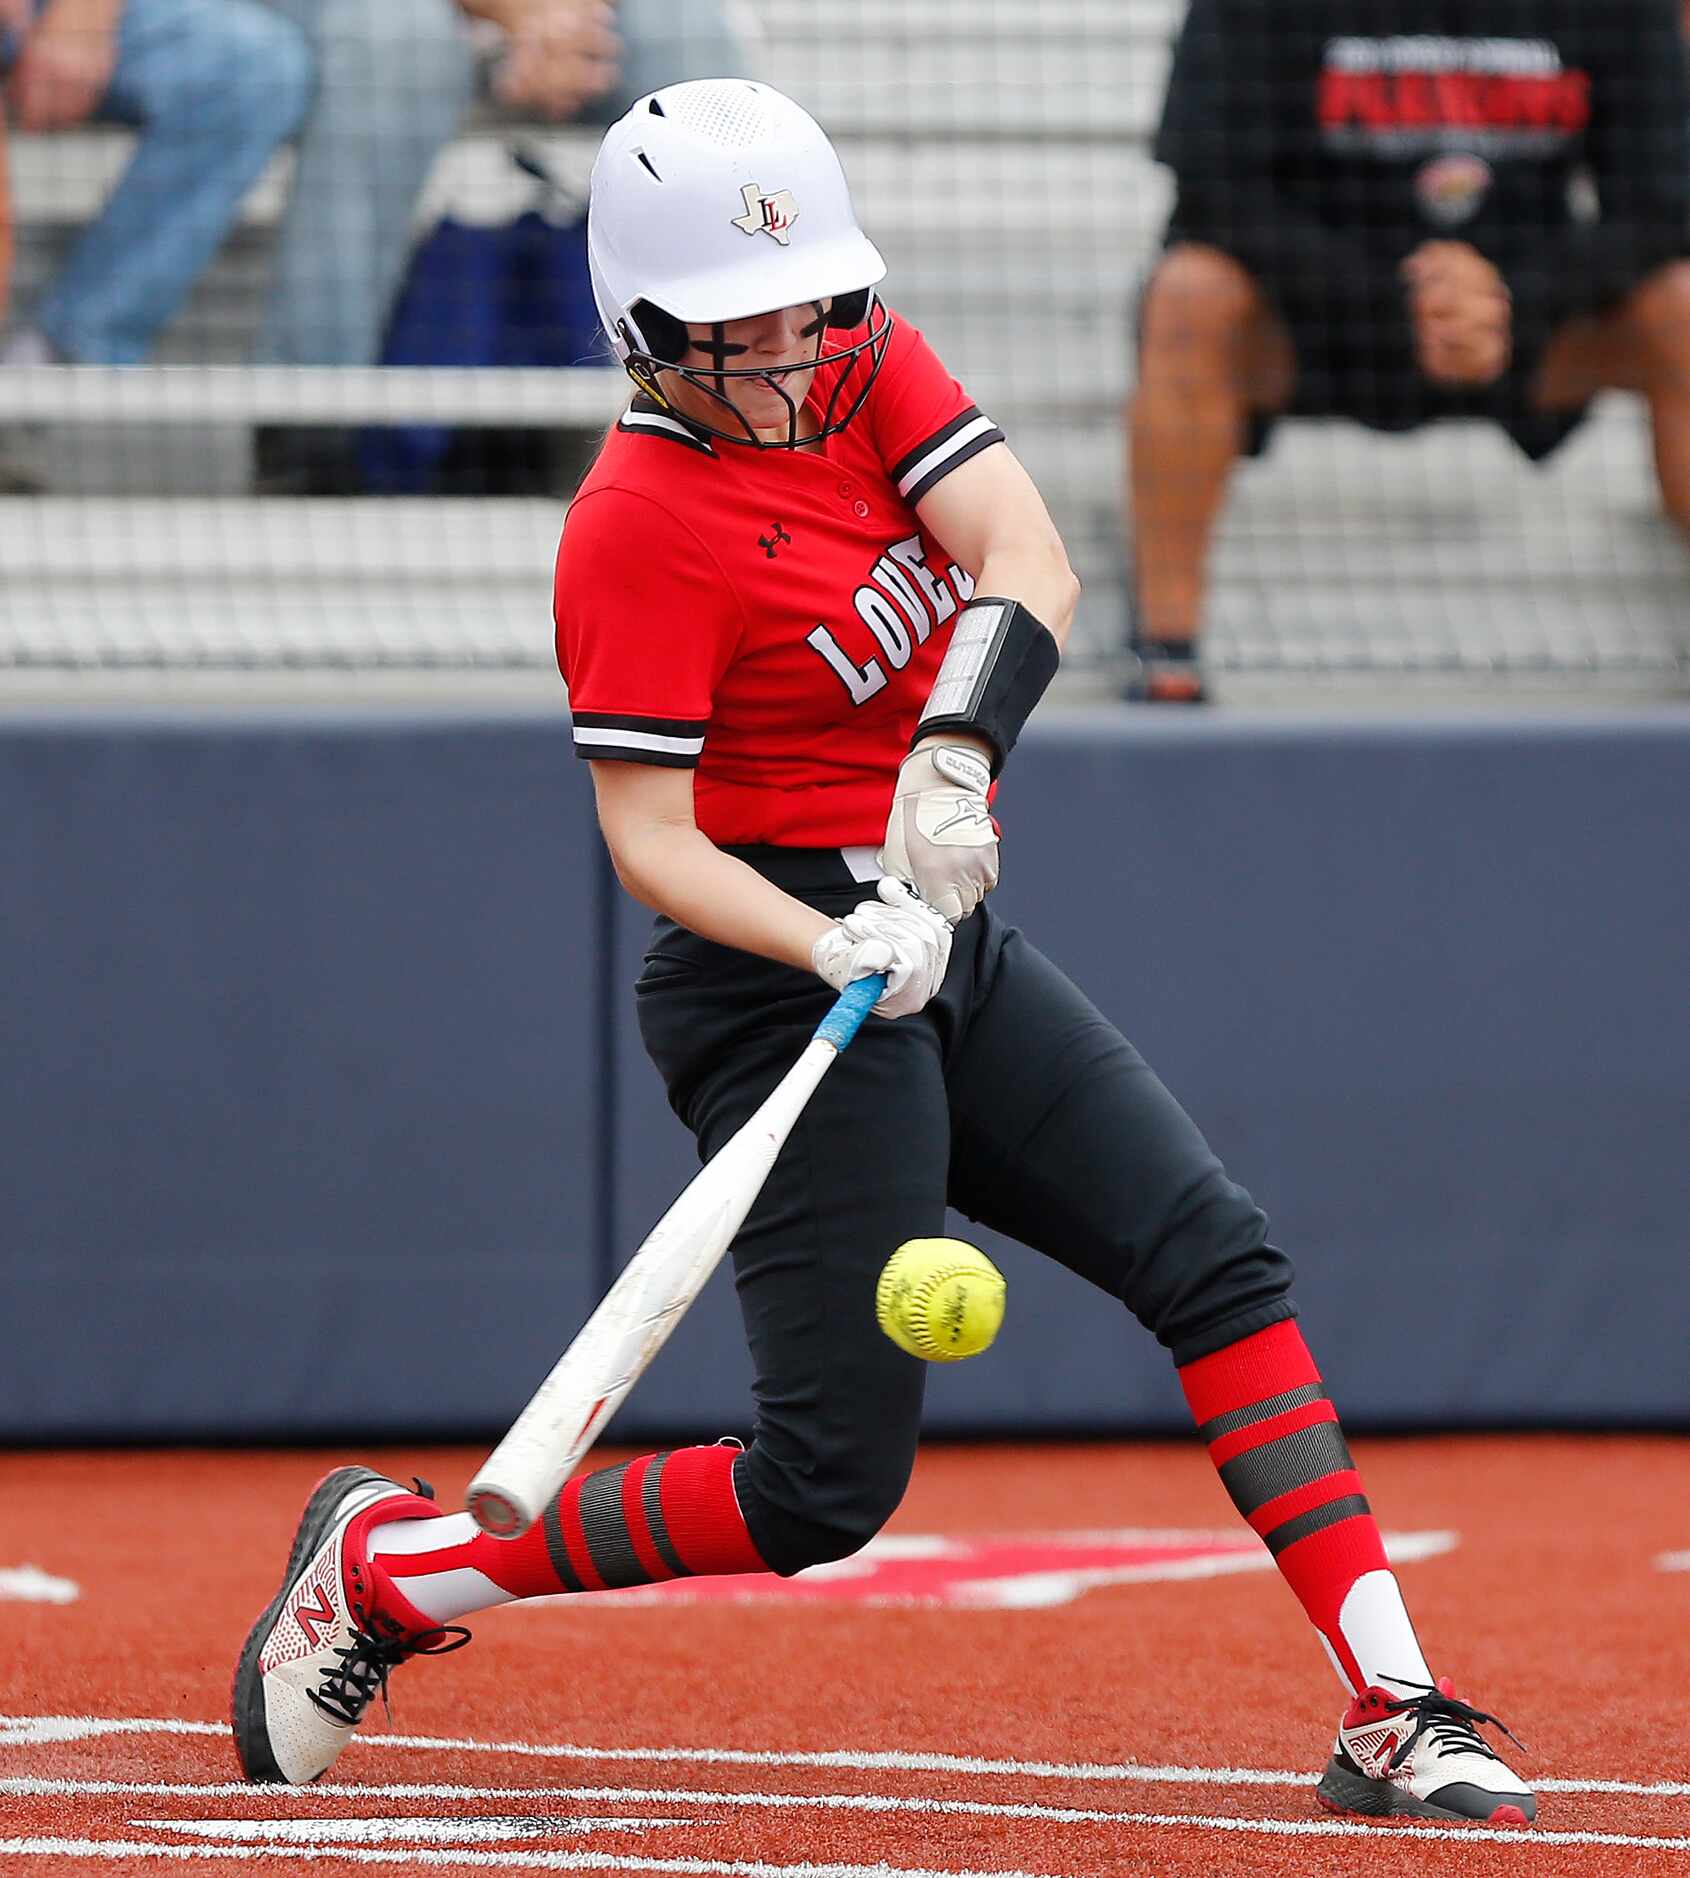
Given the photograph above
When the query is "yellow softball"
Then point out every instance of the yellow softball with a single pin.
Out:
(940, 1299)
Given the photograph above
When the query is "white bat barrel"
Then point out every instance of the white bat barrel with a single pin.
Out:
(569, 1410)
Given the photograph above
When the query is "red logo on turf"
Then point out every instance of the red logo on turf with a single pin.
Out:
(1007, 1572)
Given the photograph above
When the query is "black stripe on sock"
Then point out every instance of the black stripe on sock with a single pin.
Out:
(606, 1528)
(651, 1503)
(558, 1552)
(1294, 1460)
(1263, 1411)
(1317, 1519)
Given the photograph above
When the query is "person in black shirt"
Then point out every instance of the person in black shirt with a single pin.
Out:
(1375, 220)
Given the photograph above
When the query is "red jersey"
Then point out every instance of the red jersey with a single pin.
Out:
(773, 619)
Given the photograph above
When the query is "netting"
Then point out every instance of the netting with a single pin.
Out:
(257, 494)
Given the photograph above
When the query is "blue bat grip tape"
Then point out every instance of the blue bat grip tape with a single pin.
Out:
(846, 1018)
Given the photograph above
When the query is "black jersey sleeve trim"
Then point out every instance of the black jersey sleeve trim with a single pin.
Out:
(943, 434)
(647, 418)
(965, 436)
(617, 753)
(670, 742)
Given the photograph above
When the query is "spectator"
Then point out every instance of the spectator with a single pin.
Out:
(13, 19)
(213, 86)
(397, 77)
(1373, 222)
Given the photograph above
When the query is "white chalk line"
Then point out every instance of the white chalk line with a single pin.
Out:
(388, 1828)
(29, 1584)
(1530, 1837)
(683, 1796)
(45, 1788)
(38, 1730)
(531, 1861)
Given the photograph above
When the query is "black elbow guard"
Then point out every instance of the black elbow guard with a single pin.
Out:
(1000, 659)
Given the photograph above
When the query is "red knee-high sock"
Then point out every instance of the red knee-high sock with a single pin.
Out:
(1273, 1436)
(656, 1517)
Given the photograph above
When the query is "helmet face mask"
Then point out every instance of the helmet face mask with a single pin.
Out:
(718, 200)
(854, 367)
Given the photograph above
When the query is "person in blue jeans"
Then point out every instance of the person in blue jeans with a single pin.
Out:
(212, 86)
(396, 79)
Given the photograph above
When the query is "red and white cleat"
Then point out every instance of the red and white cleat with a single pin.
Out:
(1422, 1755)
(332, 1634)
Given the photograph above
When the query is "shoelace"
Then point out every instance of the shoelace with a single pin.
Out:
(366, 1663)
(1452, 1724)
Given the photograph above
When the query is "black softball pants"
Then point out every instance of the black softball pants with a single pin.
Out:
(1011, 1097)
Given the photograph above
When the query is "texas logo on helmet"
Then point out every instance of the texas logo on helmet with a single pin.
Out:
(1000, 1572)
(767, 214)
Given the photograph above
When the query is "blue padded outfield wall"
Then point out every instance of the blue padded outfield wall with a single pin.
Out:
(322, 1110)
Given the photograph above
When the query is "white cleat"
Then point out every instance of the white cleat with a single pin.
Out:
(334, 1631)
(1422, 1756)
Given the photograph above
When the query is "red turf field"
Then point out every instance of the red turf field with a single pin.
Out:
(1121, 1722)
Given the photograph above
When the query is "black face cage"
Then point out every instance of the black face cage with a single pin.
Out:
(660, 342)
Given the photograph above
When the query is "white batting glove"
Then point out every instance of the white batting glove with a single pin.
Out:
(940, 836)
(894, 934)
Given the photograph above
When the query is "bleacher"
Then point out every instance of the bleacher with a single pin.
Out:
(999, 156)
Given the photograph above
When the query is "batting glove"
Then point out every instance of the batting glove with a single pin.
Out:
(940, 836)
(894, 934)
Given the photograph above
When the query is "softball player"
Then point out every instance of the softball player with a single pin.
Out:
(805, 600)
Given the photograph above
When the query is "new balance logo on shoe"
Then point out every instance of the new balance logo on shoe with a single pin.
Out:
(1372, 1748)
(316, 1620)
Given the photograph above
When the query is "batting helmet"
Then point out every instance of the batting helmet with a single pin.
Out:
(717, 199)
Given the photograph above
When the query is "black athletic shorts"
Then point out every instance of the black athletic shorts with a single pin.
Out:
(1011, 1097)
(1367, 378)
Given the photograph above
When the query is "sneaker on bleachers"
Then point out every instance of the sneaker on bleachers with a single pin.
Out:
(1164, 671)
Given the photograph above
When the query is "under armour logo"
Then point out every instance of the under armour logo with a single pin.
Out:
(769, 543)
(767, 214)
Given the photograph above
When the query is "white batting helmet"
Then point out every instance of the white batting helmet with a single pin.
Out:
(714, 200)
